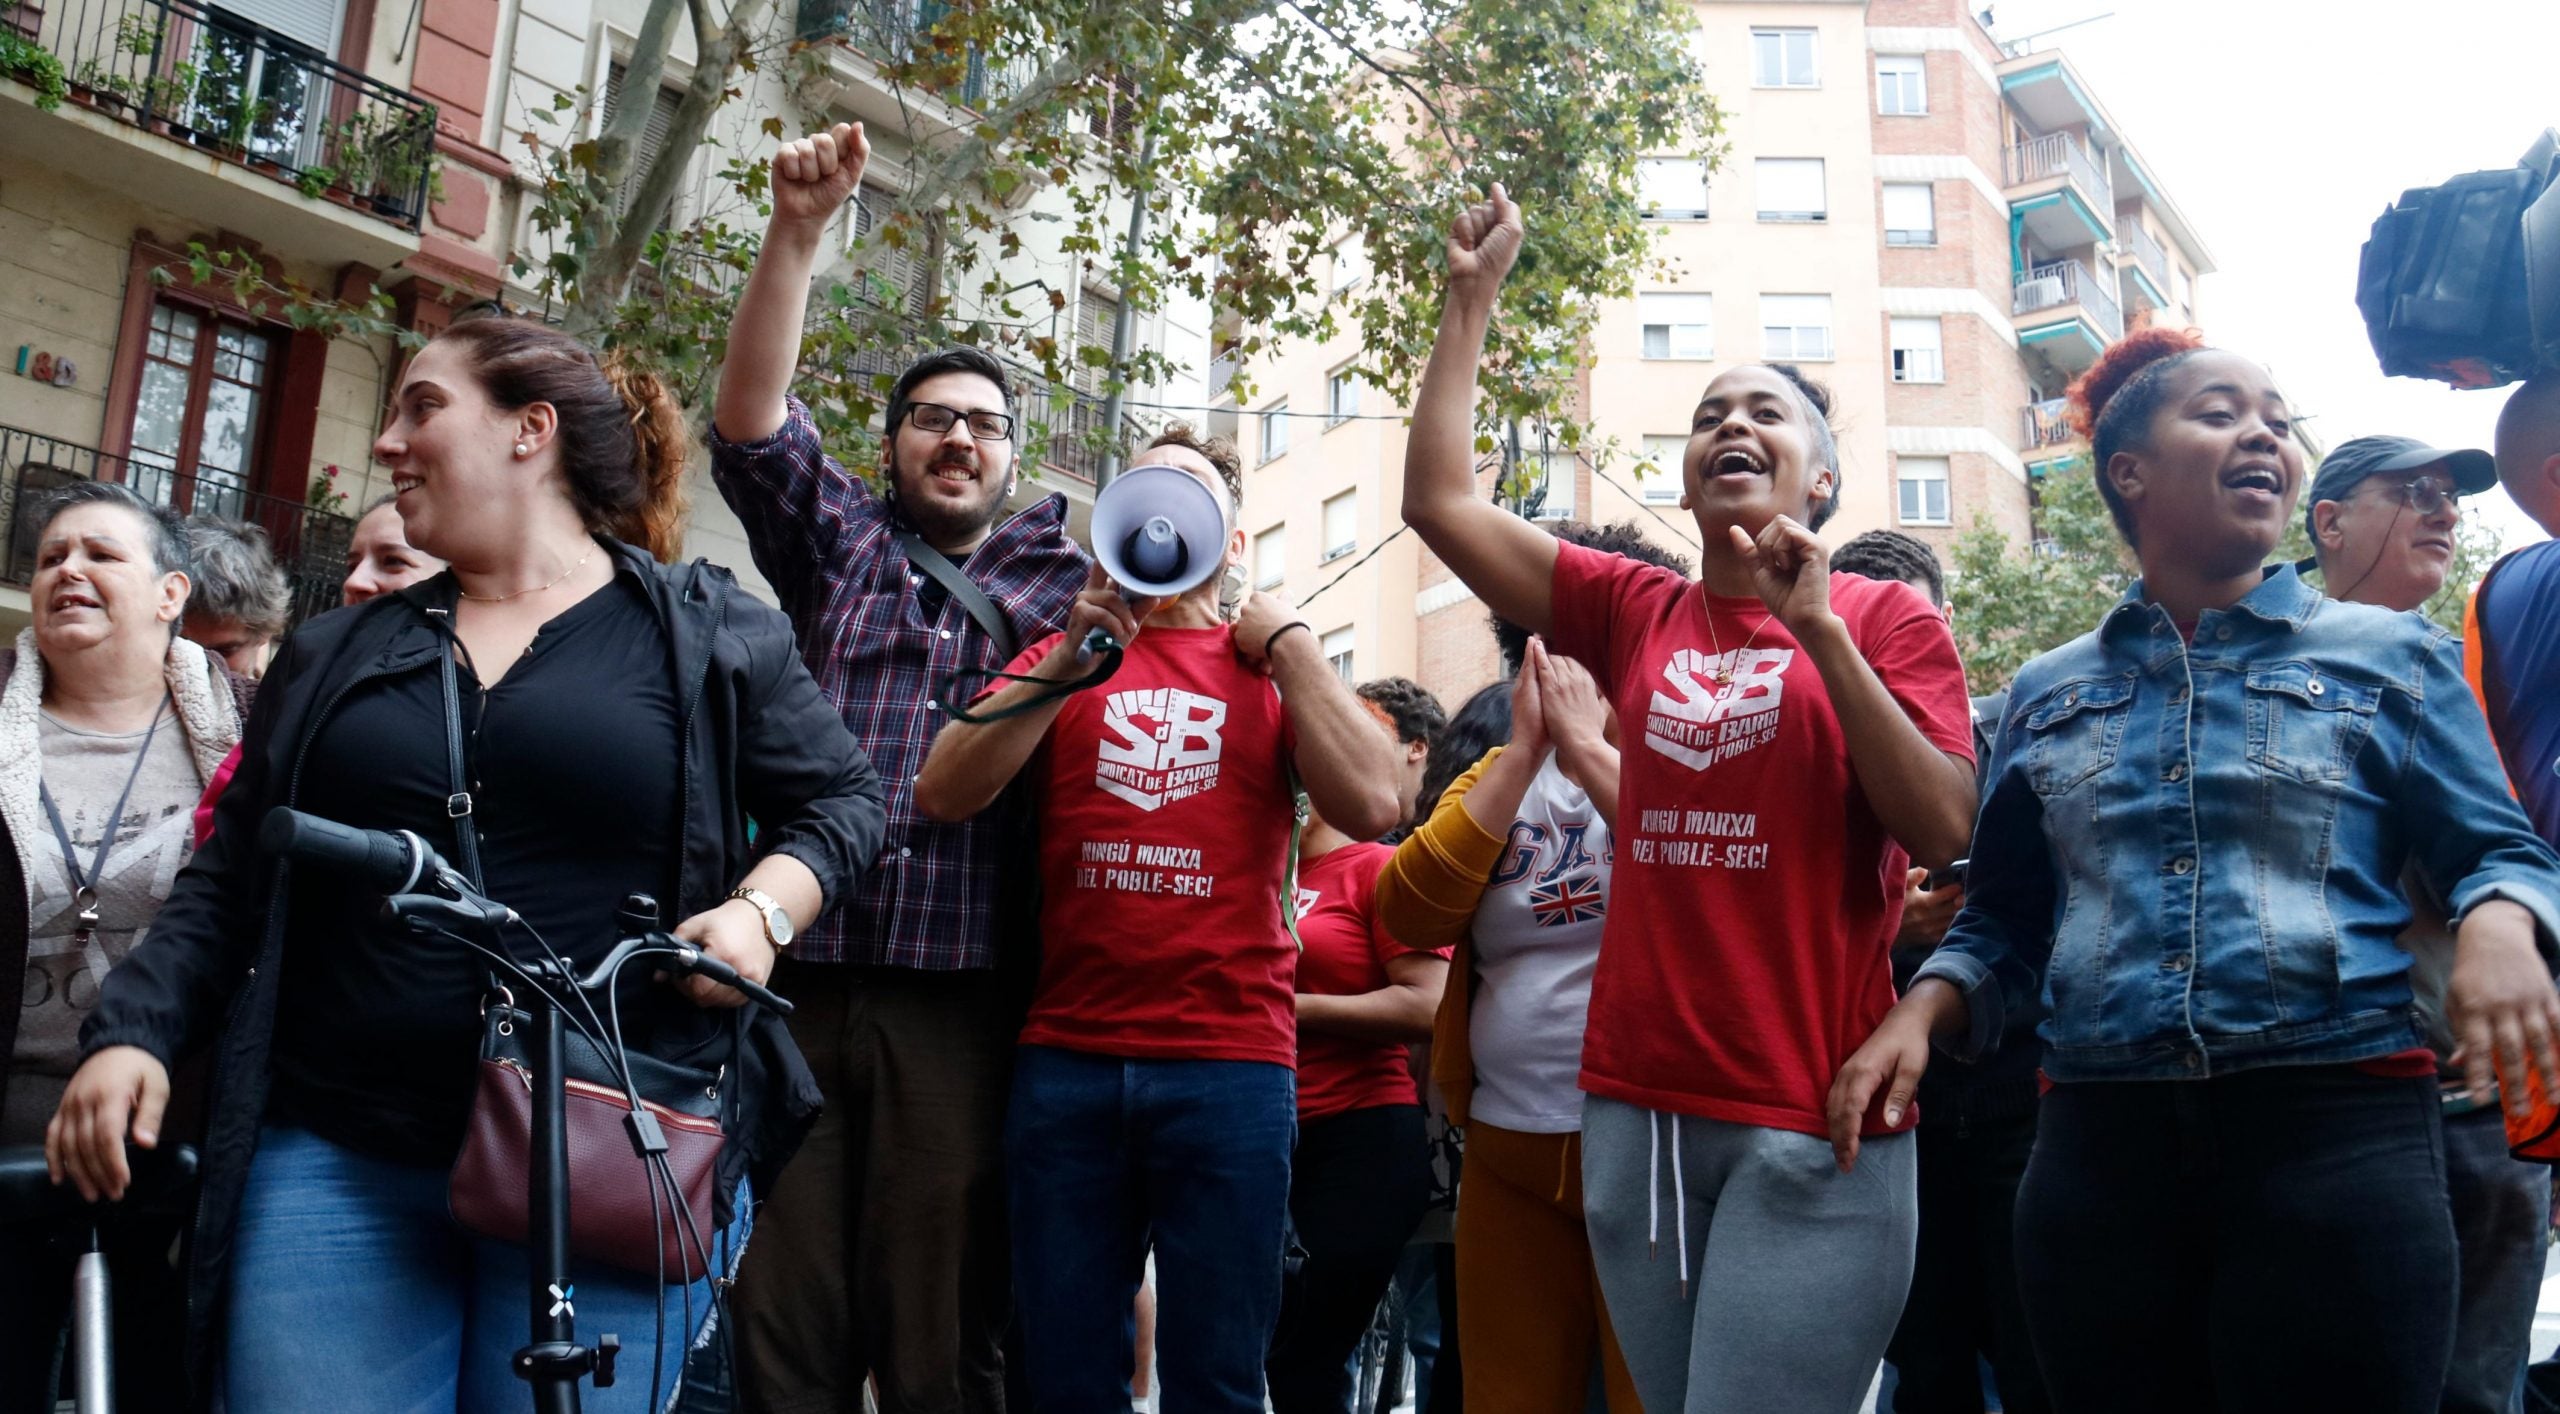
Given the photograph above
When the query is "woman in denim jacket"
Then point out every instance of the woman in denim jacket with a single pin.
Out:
(2191, 845)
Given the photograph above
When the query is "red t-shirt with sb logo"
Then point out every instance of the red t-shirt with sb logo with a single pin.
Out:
(1348, 947)
(1164, 835)
(1755, 893)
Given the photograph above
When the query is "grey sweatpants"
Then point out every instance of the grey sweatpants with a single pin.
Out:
(1796, 1271)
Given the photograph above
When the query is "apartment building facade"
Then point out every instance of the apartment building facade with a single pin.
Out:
(1941, 232)
(347, 145)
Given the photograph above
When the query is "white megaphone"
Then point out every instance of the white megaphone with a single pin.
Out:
(1158, 532)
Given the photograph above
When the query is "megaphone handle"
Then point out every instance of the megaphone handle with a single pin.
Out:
(1096, 643)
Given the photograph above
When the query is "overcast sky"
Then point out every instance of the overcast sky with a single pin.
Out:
(2283, 128)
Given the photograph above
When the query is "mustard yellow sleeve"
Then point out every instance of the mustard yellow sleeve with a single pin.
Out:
(1428, 894)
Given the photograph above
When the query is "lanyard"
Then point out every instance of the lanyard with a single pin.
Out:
(86, 887)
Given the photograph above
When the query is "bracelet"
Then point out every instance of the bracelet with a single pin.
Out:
(1284, 628)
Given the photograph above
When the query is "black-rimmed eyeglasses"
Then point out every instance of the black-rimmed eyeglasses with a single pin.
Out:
(937, 419)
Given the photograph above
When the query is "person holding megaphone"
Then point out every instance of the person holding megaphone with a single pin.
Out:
(1154, 1095)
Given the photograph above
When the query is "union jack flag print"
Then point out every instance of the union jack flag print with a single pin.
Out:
(1564, 901)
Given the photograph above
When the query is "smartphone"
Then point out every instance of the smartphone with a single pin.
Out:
(1952, 874)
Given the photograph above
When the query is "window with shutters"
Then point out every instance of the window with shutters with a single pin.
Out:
(1919, 354)
(653, 135)
(892, 277)
(1341, 525)
(1677, 326)
(1271, 557)
(1549, 495)
(1910, 214)
(1790, 188)
(1095, 316)
(1672, 188)
(1348, 264)
(1795, 326)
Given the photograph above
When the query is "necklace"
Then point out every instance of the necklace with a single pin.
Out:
(536, 589)
(1723, 674)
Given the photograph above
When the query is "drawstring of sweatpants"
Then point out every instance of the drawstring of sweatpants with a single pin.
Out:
(1679, 1199)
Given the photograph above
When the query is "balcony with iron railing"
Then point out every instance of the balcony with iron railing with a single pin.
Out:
(310, 544)
(2059, 190)
(2048, 424)
(245, 96)
(2066, 313)
(2147, 261)
(896, 31)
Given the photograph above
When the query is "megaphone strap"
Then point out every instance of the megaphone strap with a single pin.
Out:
(950, 698)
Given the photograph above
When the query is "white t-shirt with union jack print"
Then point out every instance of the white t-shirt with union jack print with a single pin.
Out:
(1536, 935)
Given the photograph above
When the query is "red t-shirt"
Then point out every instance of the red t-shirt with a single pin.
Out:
(1164, 835)
(1347, 950)
(1755, 892)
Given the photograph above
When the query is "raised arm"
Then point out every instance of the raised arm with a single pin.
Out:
(1576, 717)
(1508, 562)
(1345, 759)
(812, 180)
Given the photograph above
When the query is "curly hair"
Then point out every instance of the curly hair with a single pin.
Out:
(1410, 708)
(1890, 554)
(1218, 451)
(1621, 538)
(2112, 404)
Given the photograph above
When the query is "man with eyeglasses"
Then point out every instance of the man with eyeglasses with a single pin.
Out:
(2382, 516)
(881, 1252)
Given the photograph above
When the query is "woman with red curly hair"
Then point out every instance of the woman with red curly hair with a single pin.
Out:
(2191, 848)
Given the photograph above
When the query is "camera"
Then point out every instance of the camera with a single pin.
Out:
(2460, 282)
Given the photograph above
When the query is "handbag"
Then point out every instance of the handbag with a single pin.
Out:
(623, 1208)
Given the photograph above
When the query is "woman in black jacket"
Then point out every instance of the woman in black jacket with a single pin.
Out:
(620, 724)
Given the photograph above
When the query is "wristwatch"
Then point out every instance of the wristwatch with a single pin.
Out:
(777, 924)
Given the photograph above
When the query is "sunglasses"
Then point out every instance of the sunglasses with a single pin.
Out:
(2426, 495)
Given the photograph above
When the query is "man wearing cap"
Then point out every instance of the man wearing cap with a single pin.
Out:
(2382, 514)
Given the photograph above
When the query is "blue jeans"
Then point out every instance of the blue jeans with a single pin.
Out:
(1105, 1155)
(2501, 1209)
(351, 1288)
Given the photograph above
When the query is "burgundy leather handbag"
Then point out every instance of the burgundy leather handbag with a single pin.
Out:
(620, 1213)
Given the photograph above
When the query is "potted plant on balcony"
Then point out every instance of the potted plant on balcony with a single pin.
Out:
(403, 154)
(24, 59)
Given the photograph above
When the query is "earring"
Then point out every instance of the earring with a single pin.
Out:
(522, 449)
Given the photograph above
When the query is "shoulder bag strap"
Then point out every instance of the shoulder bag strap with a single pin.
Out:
(959, 586)
(457, 806)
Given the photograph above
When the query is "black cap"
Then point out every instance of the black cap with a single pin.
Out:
(2345, 468)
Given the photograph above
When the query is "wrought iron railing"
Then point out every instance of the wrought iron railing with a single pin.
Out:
(221, 84)
(2061, 155)
(2049, 424)
(2061, 282)
(310, 544)
(890, 30)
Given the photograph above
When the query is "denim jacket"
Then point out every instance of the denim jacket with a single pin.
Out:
(2195, 852)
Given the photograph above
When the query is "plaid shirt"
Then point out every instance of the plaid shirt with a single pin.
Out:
(880, 637)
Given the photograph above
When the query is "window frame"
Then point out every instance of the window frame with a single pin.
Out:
(183, 470)
(1884, 208)
(1667, 213)
(1783, 34)
(1918, 73)
(1335, 382)
(1671, 353)
(1936, 363)
(1666, 452)
(1333, 551)
(1273, 441)
(1830, 344)
(1793, 216)
(1341, 650)
(1904, 483)
(1276, 538)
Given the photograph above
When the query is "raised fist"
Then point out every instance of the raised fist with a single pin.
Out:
(1483, 243)
(819, 173)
